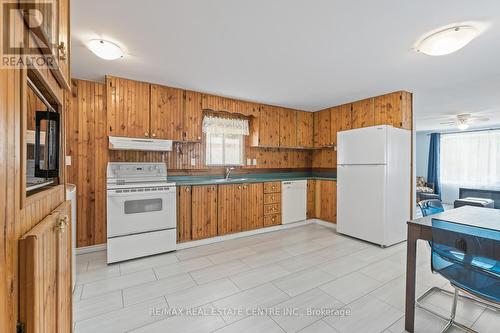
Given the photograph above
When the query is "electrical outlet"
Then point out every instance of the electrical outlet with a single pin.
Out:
(254, 162)
(249, 161)
(193, 162)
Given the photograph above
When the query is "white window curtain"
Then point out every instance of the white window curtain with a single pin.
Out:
(219, 125)
(469, 160)
(225, 141)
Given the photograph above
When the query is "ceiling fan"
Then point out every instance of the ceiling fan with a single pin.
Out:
(464, 120)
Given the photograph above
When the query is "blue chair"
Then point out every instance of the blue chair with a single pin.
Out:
(431, 207)
(462, 255)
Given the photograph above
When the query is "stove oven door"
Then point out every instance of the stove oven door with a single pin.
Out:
(140, 210)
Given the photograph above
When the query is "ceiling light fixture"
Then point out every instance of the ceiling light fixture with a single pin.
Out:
(105, 49)
(447, 40)
(462, 125)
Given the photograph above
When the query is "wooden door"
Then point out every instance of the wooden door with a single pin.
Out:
(167, 114)
(311, 194)
(204, 211)
(193, 116)
(305, 122)
(252, 206)
(229, 209)
(269, 134)
(392, 109)
(363, 113)
(64, 44)
(45, 274)
(322, 128)
(127, 104)
(288, 128)
(184, 213)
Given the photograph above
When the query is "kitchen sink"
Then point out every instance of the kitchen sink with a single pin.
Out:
(230, 180)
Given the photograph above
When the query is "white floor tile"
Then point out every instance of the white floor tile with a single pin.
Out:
(199, 251)
(117, 283)
(182, 267)
(319, 327)
(200, 295)
(384, 270)
(247, 301)
(266, 258)
(258, 276)
(157, 288)
(342, 266)
(122, 320)
(183, 324)
(488, 322)
(98, 274)
(301, 262)
(137, 265)
(94, 306)
(367, 315)
(302, 305)
(230, 255)
(219, 271)
(253, 324)
(350, 287)
(302, 281)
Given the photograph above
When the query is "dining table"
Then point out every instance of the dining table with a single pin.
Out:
(421, 229)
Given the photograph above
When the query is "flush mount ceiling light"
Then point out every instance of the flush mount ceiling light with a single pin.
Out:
(462, 125)
(447, 40)
(105, 49)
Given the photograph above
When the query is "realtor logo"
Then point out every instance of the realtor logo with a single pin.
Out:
(28, 34)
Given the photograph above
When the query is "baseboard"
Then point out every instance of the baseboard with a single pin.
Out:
(90, 249)
(217, 239)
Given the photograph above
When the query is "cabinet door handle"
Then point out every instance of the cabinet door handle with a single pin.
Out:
(146, 134)
(62, 51)
(153, 135)
(187, 189)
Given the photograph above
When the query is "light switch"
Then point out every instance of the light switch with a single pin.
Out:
(67, 160)
(193, 162)
(254, 162)
(249, 161)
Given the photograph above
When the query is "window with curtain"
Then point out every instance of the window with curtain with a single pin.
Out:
(471, 159)
(225, 140)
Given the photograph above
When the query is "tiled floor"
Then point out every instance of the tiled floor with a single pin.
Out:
(282, 281)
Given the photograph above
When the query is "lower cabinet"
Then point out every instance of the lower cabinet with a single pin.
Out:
(252, 206)
(45, 300)
(184, 213)
(311, 195)
(204, 211)
(229, 209)
(326, 200)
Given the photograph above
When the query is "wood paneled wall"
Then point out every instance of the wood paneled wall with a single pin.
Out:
(87, 144)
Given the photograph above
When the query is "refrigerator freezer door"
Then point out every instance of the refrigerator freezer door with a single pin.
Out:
(361, 198)
(362, 146)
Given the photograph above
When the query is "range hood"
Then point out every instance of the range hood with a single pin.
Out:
(122, 143)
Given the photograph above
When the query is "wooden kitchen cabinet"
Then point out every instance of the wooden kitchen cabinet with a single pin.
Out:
(127, 104)
(184, 213)
(193, 116)
(287, 128)
(340, 117)
(363, 113)
(252, 208)
(393, 109)
(45, 254)
(305, 124)
(311, 197)
(322, 128)
(167, 116)
(326, 200)
(269, 129)
(229, 209)
(62, 73)
(218, 103)
(204, 211)
(272, 204)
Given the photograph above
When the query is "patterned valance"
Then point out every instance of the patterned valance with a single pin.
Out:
(220, 125)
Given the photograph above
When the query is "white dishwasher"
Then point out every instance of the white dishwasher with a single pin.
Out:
(293, 201)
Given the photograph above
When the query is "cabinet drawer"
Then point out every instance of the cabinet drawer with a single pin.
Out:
(272, 209)
(272, 187)
(270, 220)
(271, 198)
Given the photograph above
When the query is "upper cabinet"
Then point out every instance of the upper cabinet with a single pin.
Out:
(62, 74)
(322, 128)
(167, 116)
(305, 126)
(363, 113)
(269, 129)
(127, 104)
(138, 109)
(288, 128)
(394, 109)
(340, 120)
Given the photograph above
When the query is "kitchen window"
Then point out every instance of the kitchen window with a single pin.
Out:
(224, 140)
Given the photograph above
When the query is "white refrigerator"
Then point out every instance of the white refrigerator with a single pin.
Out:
(373, 183)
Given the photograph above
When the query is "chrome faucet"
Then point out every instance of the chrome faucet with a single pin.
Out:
(228, 173)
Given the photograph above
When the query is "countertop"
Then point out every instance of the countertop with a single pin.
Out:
(250, 178)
